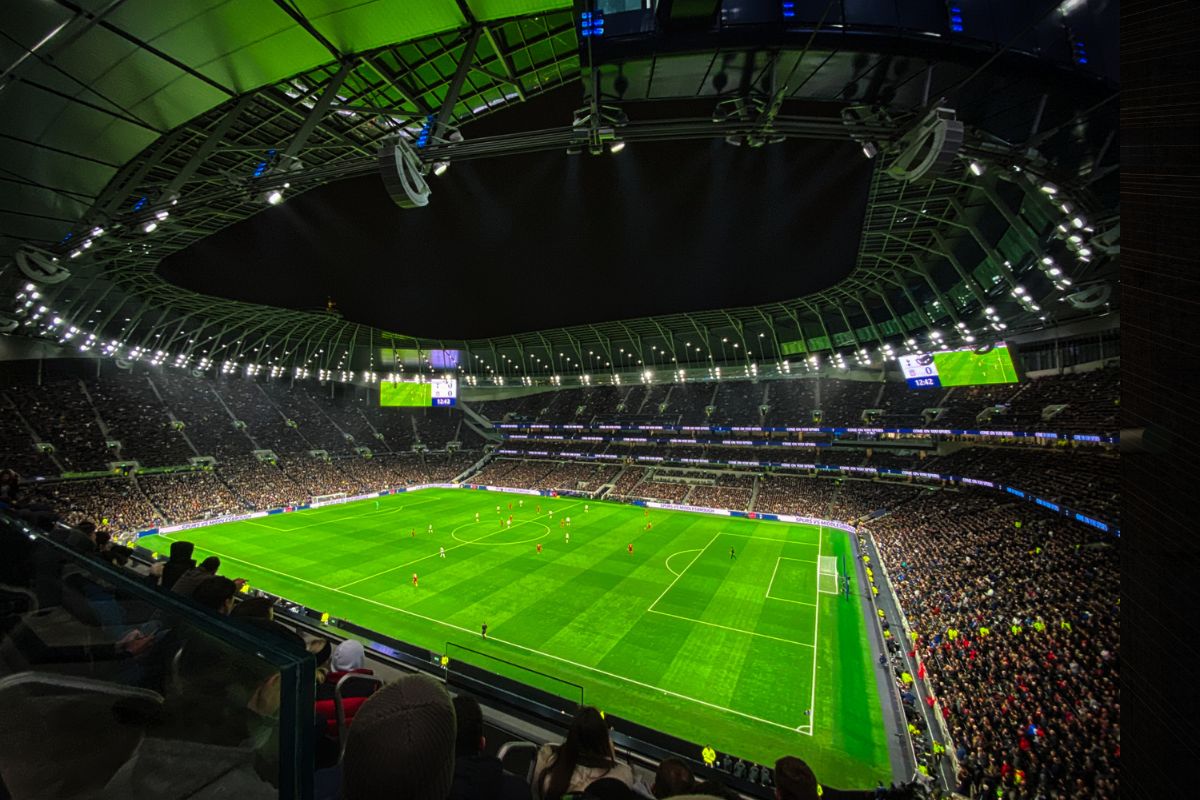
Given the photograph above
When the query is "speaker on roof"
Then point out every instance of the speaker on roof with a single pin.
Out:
(404, 175)
(39, 266)
(928, 148)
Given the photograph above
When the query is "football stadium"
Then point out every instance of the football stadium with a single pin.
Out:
(560, 398)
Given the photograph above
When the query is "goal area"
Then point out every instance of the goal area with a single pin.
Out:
(827, 574)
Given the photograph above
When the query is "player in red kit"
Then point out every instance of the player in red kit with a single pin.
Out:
(631, 548)
(539, 547)
(415, 575)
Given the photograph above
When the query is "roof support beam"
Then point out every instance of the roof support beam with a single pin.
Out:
(303, 22)
(316, 114)
(460, 77)
(209, 145)
(505, 64)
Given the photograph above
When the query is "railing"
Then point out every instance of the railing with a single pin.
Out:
(922, 686)
(161, 689)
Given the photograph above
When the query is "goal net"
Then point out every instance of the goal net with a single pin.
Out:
(827, 574)
(325, 498)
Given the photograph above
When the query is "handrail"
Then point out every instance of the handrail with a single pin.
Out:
(922, 690)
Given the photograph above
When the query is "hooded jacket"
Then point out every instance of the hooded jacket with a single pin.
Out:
(180, 562)
(481, 777)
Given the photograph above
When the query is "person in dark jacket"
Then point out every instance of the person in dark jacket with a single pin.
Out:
(478, 776)
(187, 583)
(180, 562)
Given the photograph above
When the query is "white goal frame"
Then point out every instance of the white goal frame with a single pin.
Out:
(827, 575)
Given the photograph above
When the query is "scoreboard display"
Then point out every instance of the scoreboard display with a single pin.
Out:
(444, 392)
(441, 392)
(964, 367)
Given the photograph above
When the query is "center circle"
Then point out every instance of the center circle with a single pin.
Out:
(454, 535)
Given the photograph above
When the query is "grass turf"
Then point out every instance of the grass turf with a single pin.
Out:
(965, 368)
(677, 636)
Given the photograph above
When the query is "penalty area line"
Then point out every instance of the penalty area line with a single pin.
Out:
(470, 632)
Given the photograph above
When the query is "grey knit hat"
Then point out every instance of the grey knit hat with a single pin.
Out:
(401, 744)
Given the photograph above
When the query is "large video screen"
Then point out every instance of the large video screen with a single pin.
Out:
(438, 392)
(962, 367)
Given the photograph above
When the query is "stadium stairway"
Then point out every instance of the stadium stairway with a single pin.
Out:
(233, 417)
(95, 410)
(33, 434)
(471, 470)
(479, 423)
(171, 416)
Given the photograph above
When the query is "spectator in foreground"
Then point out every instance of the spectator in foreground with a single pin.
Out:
(478, 776)
(255, 608)
(401, 744)
(216, 594)
(672, 778)
(187, 583)
(179, 562)
(794, 780)
(585, 757)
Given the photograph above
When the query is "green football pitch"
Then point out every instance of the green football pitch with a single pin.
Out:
(965, 368)
(741, 653)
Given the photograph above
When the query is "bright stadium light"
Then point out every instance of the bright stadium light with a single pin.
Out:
(273, 197)
(149, 227)
(439, 169)
(977, 168)
(616, 146)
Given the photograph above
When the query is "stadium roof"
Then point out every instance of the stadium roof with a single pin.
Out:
(160, 124)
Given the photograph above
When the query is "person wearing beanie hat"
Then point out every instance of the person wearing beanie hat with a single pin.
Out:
(794, 780)
(401, 744)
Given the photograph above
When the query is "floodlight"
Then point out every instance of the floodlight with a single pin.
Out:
(616, 146)
(274, 197)
(440, 168)
(869, 150)
(977, 168)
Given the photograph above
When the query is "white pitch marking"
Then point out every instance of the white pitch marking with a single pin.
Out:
(727, 628)
(680, 575)
(473, 632)
(455, 547)
(772, 582)
(667, 563)
(812, 705)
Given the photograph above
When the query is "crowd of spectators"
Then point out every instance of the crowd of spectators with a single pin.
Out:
(1014, 612)
(1091, 400)
(137, 418)
(843, 401)
(184, 496)
(207, 423)
(261, 485)
(17, 450)
(1016, 615)
(313, 424)
(1082, 478)
(60, 414)
(791, 402)
(116, 504)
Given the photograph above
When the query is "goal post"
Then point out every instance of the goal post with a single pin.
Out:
(827, 575)
(325, 498)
